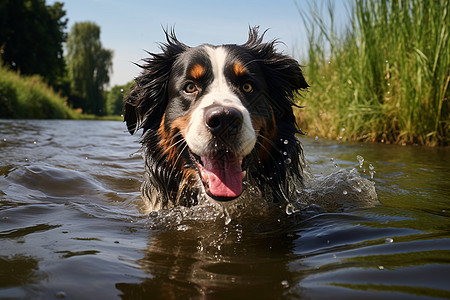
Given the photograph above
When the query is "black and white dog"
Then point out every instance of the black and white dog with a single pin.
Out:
(215, 120)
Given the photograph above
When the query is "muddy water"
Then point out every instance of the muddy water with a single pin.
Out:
(71, 227)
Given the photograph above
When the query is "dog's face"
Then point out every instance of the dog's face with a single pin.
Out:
(208, 109)
(211, 93)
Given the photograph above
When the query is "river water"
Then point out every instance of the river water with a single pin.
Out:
(71, 225)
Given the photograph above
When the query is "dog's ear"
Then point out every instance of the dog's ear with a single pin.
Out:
(284, 75)
(145, 104)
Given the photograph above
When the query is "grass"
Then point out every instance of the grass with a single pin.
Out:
(30, 97)
(384, 78)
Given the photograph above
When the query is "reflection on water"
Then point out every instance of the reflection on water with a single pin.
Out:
(70, 225)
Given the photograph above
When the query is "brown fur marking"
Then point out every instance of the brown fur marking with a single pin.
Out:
(239, 69)
(197, 71)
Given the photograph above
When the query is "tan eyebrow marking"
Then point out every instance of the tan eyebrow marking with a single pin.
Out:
(197, 71)
(239, 69)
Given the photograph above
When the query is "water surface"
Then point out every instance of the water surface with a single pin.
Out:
(71, 227)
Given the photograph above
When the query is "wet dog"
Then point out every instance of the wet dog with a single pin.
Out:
(216, 120)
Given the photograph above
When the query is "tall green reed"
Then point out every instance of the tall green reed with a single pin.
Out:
(385, 77)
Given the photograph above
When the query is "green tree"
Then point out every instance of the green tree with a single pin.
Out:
(114, 99)
(32, 36)
(89, 66)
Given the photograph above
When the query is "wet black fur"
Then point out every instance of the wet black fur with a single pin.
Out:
(147, 103)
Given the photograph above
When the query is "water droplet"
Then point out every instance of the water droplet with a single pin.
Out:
(121, 90)
(286, 142)
(290, 209)
(227, 216)
(388, 240)
(285, 153)
(334, 163)
(371, 170)
(381, 267)
(285, 284)
(35, 142)
(360, 160)
(60, 294)
(287, 161)
(343, 129)
(316, 138)
(344, 192)
(182, 227)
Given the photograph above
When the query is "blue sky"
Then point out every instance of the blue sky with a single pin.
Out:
(128, 27)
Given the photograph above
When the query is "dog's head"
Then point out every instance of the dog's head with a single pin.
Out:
(215, 112)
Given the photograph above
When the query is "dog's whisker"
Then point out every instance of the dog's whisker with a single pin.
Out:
(178, 157)
(174, 144)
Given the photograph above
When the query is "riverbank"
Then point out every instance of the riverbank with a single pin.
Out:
(29, 97)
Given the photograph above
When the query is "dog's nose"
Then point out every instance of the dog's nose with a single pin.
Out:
(223, 120)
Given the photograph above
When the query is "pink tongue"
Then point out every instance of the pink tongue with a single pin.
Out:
(224, 176)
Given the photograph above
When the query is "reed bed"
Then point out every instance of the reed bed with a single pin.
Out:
(384, 78)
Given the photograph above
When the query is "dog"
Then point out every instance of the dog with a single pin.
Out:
(217, 120)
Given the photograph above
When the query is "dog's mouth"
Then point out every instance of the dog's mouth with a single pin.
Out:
(221, 174)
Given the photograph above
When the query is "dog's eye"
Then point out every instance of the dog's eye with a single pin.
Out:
(247, 87)
(190, 88)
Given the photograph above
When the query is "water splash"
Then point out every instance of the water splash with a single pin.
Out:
(339, 191)
(327, 191)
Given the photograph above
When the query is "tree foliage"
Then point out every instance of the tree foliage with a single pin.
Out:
(32, 36)
(114, 100)
(89, 66)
